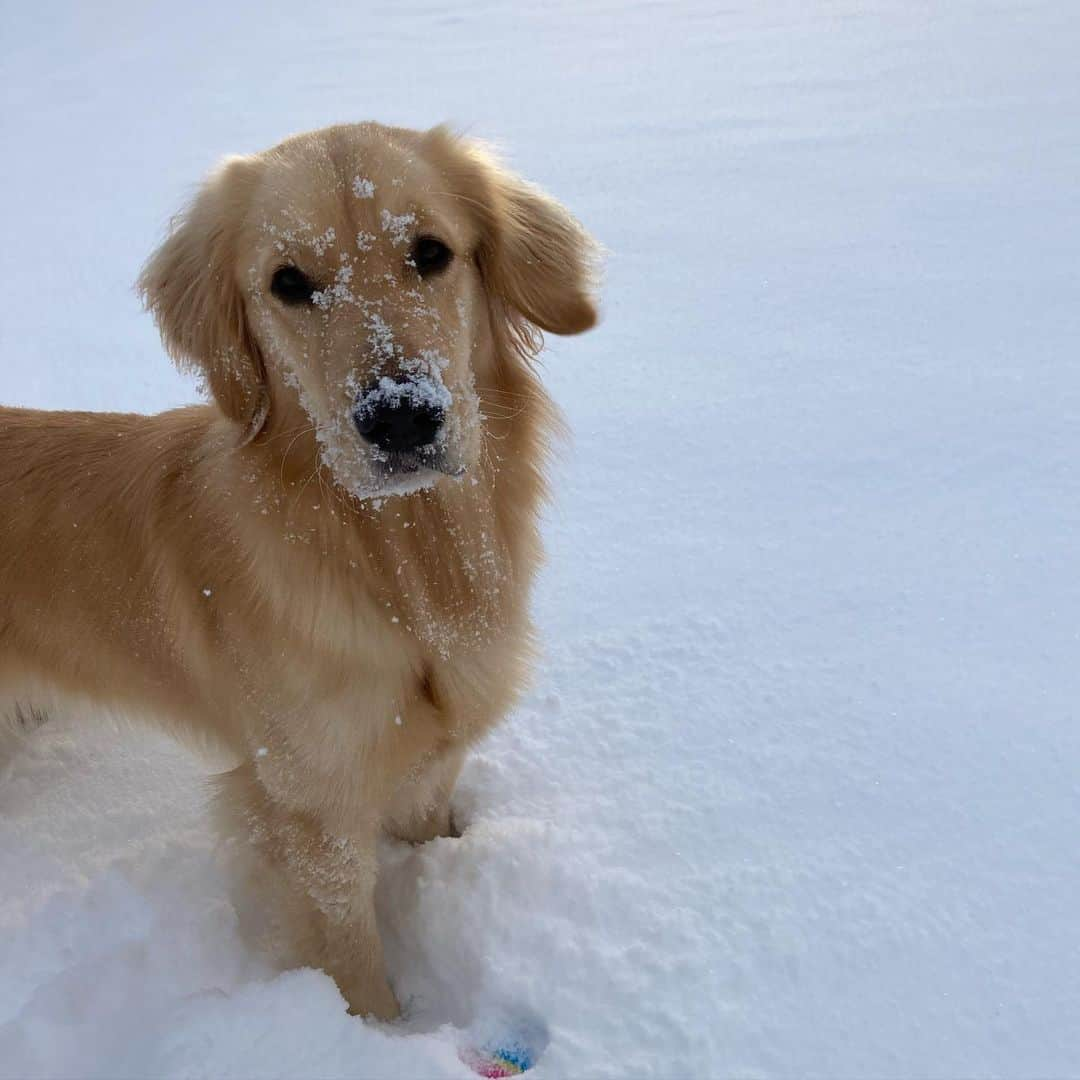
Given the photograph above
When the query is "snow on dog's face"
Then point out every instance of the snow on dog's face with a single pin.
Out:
(348, 283)
(365, 301)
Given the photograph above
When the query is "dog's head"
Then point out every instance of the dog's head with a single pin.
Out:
(351, 281)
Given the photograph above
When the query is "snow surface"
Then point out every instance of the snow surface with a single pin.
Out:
(796, 792)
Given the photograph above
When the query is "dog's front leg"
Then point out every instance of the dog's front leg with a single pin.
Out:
(420, 810)
(342, 883)
(322, 872)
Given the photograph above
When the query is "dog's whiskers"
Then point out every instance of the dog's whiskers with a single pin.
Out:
(487, 408)
(285, 457)
(527, 395)
(286, 434)
(303, 486)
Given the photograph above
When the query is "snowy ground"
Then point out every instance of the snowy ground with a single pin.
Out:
(796, 793)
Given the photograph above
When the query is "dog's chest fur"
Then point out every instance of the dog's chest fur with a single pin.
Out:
(399, 632)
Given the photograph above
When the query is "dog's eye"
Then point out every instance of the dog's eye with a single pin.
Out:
(291, 285)
(430, 256)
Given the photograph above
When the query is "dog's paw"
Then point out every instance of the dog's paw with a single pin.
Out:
(371, 1001)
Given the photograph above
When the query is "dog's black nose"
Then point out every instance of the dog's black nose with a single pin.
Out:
(398, 416)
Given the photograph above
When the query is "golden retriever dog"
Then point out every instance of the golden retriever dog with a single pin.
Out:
(327, 569)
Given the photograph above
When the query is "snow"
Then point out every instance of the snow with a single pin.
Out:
(430, 391)
(794, 793)
(363, 188)
(397, 225)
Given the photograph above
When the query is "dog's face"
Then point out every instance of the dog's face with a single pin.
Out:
(366, 300)
(347, 281)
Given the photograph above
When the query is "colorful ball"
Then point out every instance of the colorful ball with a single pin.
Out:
(496, 1061)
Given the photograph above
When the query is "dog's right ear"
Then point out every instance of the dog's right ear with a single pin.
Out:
(191, 287)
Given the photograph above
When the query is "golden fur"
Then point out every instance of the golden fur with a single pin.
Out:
(240, 572)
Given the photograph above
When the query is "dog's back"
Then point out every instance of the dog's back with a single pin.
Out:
(81, 495)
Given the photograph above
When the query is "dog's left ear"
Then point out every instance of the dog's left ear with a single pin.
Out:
(190, 286)
(532, 252)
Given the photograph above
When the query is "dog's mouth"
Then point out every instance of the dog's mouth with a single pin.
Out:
(405, 437)
(414, 467)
